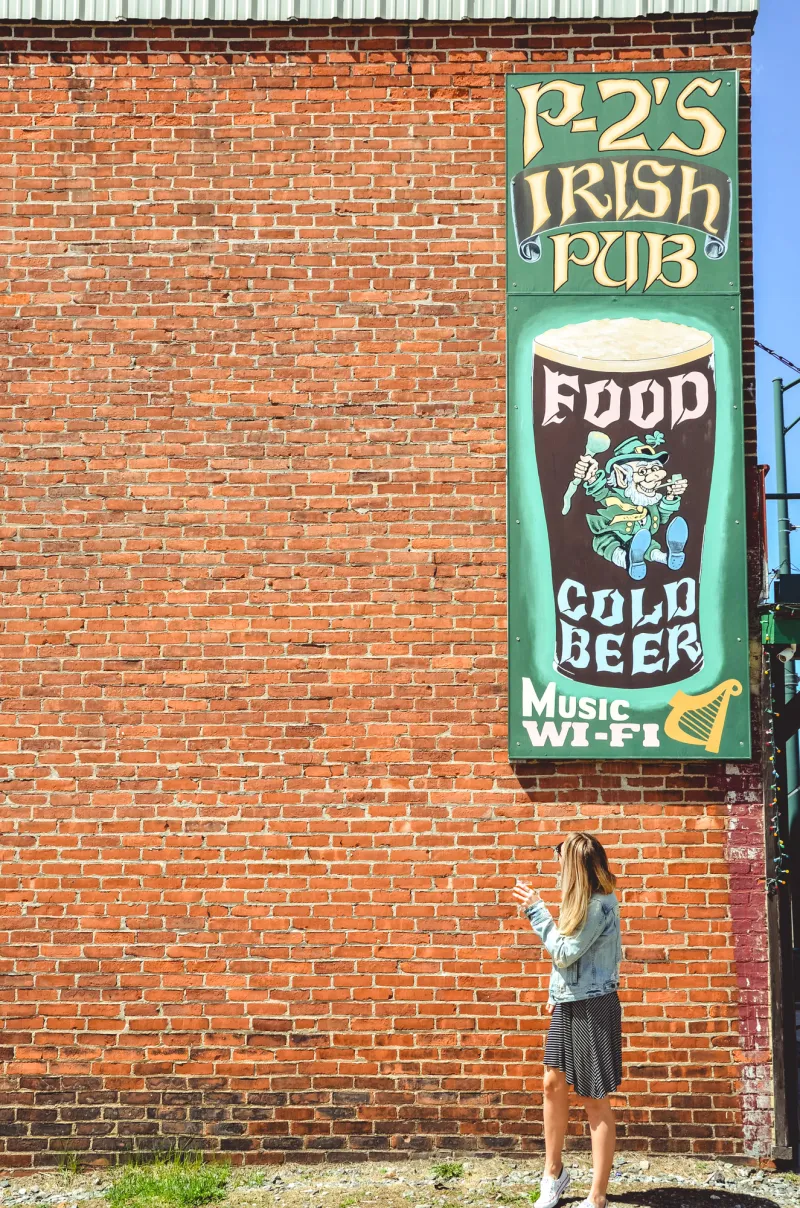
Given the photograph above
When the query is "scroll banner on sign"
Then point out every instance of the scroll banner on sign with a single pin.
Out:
(627, 555)
(621, 190)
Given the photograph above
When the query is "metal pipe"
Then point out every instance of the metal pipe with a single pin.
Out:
(790, 679)
(784, 554)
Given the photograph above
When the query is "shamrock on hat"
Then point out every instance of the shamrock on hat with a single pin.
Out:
(636, 449)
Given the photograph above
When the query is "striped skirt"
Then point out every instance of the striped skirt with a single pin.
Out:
(585, 1042)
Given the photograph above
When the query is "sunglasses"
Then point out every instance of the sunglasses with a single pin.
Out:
(557, 850)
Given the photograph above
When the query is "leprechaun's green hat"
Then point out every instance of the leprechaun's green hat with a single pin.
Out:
(636, 449)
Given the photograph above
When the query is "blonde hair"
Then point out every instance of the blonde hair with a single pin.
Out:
(584, 871)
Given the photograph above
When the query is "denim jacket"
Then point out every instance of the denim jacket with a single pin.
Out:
(585, 964)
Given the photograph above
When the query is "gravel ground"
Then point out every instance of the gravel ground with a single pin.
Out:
(485, 1183)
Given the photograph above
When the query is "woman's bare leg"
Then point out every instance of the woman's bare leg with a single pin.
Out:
(604, 1137)
(556, 1118)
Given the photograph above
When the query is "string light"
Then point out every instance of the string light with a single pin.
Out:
(780, 875)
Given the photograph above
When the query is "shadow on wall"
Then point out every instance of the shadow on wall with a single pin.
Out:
(688, 1197)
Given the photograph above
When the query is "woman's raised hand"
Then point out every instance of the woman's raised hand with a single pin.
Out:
(525, 894)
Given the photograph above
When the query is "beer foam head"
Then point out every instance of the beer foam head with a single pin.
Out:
(624, 345)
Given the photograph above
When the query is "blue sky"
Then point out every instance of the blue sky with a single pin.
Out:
(776, 202)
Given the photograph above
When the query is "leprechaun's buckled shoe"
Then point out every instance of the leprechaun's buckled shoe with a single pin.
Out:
(677, 536)
(637, 548)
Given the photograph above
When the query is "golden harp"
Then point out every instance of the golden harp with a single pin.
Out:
(700, 719)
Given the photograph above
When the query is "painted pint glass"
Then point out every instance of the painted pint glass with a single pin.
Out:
(624, 416)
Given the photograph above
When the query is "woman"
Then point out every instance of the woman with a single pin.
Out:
(584, 1043)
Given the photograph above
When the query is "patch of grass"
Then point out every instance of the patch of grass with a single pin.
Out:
(534, 1195)
(255, 1178)
(349, 1201)
(448, 1170)
(68, 1163)
(180, 1181)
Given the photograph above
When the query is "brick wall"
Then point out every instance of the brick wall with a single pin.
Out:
(259, 828)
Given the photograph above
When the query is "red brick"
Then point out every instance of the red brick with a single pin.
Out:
(259, 826)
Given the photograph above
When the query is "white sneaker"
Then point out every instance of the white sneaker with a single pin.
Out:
(551, 1190)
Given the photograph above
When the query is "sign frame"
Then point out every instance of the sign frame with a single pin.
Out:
(704, 714)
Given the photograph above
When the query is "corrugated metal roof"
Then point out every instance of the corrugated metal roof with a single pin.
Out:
(354, 10)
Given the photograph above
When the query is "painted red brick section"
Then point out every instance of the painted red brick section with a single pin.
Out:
(259, 827)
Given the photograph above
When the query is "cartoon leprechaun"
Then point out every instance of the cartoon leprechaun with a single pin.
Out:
(634, 502)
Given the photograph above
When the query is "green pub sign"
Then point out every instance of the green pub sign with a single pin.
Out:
(626, 521)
